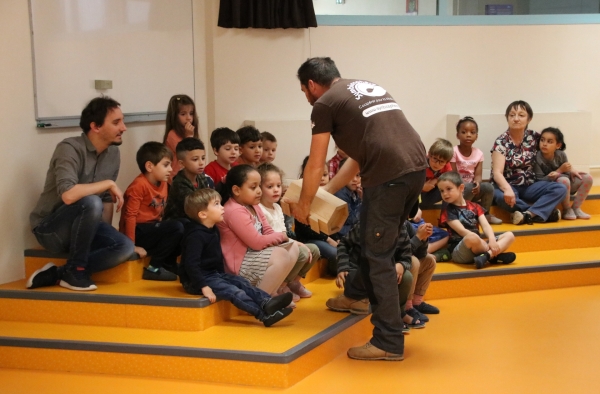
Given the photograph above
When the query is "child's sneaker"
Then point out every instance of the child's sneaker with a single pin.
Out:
(286, 289)
(298, 288)
(160, 275)
(580, 214)
(415, 314)
(481, 260)
(442, 255)
(48, 275)
(78, 280)
(569, 214)
(276, 303)
(504, 258)
(492, 219)
(426, 308)
(277, 316)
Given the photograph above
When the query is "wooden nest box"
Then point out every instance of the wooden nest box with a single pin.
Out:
(327, 212)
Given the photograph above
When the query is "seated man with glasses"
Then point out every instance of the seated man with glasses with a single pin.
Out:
(438, 160)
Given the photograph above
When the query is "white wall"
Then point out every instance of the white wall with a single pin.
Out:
(370, 7)
(432, 71)
(249, 74)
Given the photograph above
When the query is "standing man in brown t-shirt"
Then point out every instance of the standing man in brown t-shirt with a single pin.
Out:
(367, 124)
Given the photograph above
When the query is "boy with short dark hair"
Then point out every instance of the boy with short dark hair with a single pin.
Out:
(462, 219)
(269, 147)
(438, 160)
(351, 194)
(191, 155)
(251, 146)
(225, 144)
(141, 220)
(202, 270)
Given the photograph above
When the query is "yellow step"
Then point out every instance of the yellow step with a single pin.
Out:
(238, 351)
(531, 271)
(127, 272)
(136, 303)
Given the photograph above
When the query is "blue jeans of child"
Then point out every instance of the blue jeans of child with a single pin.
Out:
(78, 229)
(545, 196)
(239, 292)
(328, 252)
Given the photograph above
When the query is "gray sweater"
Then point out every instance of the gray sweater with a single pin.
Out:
(543, 167)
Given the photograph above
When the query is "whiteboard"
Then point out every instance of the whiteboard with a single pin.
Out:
(145, 47)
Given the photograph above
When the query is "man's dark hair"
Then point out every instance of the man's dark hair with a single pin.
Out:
(96, 112)
(321, 70)
(152, 152)
(248, 134)
(222, 136)
(186, 145)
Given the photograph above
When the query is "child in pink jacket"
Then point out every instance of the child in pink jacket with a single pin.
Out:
(250, 246)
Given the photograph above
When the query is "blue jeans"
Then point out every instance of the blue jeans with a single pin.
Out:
(544, 196)
(238, 291)
(78, 229)
(328, 252)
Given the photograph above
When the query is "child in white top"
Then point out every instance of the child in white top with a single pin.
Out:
(271, 185)
(468, 162)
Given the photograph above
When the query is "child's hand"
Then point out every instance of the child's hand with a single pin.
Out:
(208, 293)
(189, 129)
(341, 279)
(424, 231)
(476, 188)
(359, 191)
(332, 242)
(429, 185)
(566, 167)
(575, 174)
(309, 254)
(494, 247)
(399, 272)
(140, 251)
(553, 175)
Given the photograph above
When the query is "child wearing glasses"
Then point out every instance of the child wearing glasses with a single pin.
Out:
(438, 159)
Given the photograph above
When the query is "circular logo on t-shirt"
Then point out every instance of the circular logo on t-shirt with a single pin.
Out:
(364, 88)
